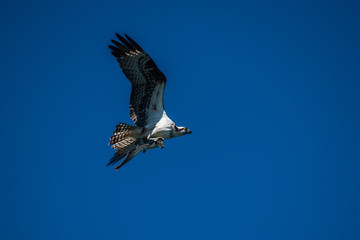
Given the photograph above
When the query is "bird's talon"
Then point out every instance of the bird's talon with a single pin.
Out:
(160, 142)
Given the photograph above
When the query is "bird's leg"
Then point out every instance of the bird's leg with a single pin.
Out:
(156, 142)
(160, 142)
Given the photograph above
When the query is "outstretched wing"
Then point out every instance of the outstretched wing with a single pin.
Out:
(148, 82)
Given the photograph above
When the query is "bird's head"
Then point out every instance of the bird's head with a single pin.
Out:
(182, 130)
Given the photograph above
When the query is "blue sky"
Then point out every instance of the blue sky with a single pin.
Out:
(269, 89)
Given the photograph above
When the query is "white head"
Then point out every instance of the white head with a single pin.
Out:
(180, 131)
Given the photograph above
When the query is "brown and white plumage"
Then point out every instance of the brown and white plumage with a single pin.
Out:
(146, 104)
(148, 82)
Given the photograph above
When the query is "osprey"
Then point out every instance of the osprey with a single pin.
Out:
(146, 104)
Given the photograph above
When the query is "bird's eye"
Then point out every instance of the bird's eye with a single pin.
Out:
(185, 128)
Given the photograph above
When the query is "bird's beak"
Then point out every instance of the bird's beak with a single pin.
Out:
(188, 131)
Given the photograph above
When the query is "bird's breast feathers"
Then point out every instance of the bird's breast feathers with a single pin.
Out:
(163, 128)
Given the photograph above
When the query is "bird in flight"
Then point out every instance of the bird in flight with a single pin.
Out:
(147, 111)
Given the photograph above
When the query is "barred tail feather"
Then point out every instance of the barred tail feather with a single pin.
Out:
(122, 147)
(123, 131)
(124, 140)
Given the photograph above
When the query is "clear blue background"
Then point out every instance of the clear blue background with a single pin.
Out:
(270, 90)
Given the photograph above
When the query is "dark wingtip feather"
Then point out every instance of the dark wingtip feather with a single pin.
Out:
(112, 47)
(117, 52)
(127, 36)
(133, 43)
(114, 42)
(120, 46)
(115, 55)
(118, 35)
(125, 42)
